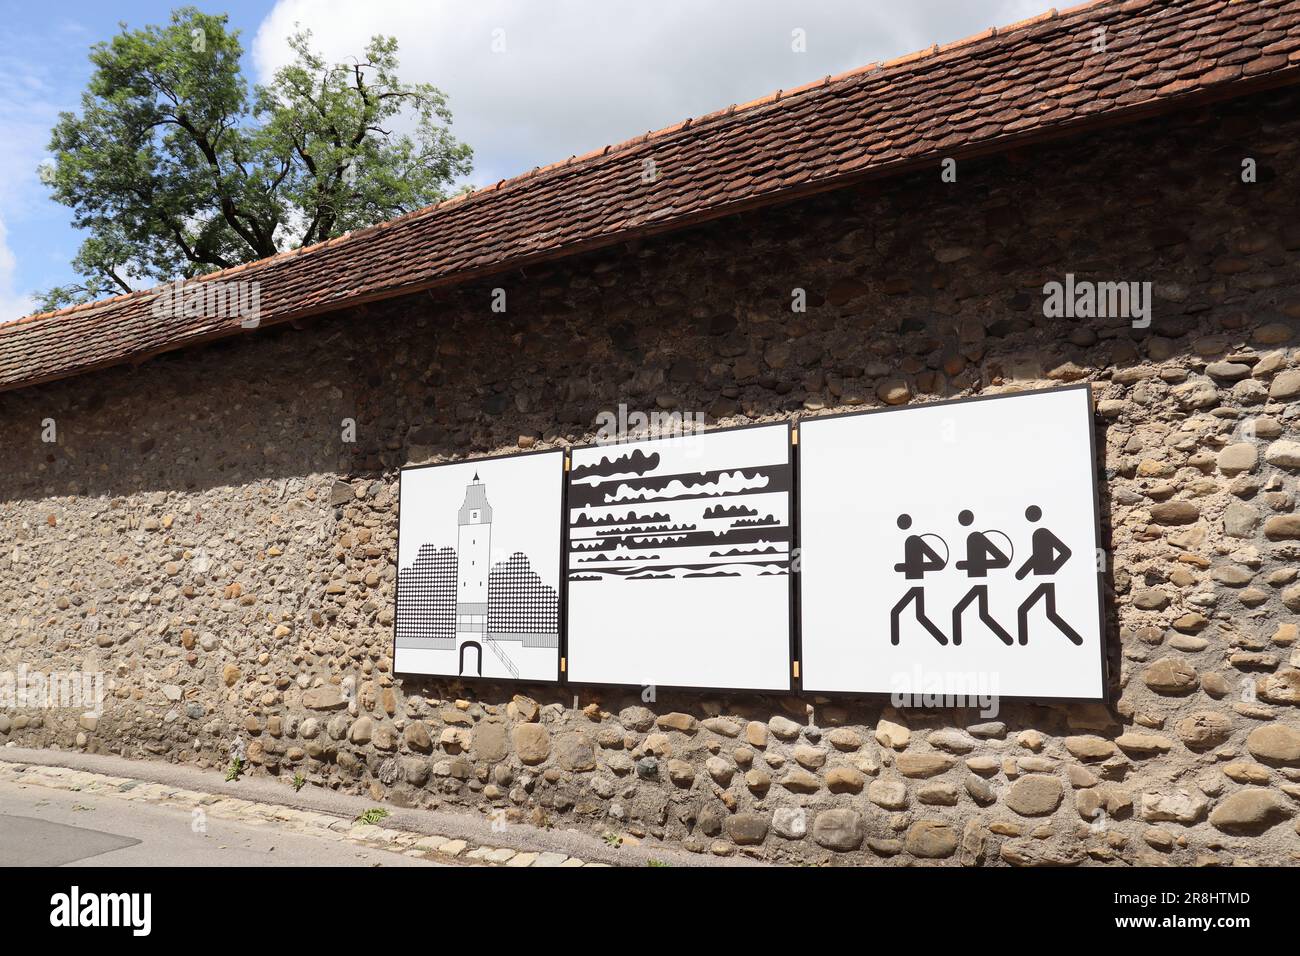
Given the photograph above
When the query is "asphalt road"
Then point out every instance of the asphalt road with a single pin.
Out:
(452, 822)
(44, 827)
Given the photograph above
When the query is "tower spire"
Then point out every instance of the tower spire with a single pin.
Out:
(476, 509)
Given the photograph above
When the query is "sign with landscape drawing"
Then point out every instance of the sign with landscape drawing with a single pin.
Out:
(478, 579)
(952, 548)
(678, 561)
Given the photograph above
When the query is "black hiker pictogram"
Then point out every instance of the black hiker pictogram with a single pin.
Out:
(1048, 556)
(918, 559)
(982, 556)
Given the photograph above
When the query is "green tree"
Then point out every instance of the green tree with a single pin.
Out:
(174, 168)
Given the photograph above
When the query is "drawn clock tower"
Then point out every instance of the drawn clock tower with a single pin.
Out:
(473, 553)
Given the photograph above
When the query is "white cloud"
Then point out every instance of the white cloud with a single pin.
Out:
(32, 91)
(12, 304)
(28, 109)
(578, 74)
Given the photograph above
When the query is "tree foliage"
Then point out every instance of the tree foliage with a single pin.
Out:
(174, 167)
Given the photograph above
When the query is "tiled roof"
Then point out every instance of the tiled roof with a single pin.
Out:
(1001, 88)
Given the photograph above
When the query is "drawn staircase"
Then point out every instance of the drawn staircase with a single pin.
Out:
(499, 651)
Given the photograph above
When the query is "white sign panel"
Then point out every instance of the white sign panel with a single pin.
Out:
(679, 561)
(952, 549)
(478, 580)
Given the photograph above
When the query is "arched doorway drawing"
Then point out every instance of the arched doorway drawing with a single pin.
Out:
(478, 648)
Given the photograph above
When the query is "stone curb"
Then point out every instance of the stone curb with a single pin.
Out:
(307, 822)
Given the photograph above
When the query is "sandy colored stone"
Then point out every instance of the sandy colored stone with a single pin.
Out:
(842, 738)
(923, 764)
(1238, 458)
(1185, 805)
(722, 726)
(1087, 747)
(840, 829)
(1282, 687)
(1170, 675)
(844, 780)
(810, 758)
(1243, 771)
(682, 723)
(894, 392)
(931, 840)
(1283, 453)
(1141, 744)
(890, 794)
(1204, 729)
(1035, 795)
(1285, 385)
(799, 780)
(783, 727)
(532, 742)
(1250, 811)
(325, 697)
(1282, 527)
(1275, 744)
(890, 734)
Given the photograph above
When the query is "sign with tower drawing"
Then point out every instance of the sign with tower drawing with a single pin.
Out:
(679, 561)
(953, 548)
(478, 579)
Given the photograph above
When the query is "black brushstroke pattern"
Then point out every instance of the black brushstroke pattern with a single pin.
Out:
(602, 494)
(734, 511)
(743, 552)
(684, 540)
(638, 570)
(617, 557)
(636, 462)
(585, 521)
(649, 529)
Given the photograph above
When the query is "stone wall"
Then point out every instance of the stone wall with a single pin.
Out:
(202, 533)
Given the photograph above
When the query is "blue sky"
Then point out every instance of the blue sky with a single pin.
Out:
(574, 74)
(43, 69)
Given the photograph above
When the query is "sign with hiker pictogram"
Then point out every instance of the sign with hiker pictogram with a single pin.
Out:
(952, 548)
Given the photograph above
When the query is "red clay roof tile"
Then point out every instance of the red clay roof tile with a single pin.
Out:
(1000, 88)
